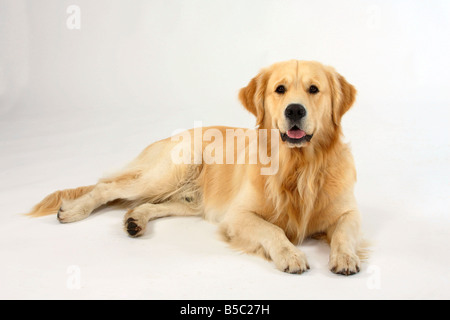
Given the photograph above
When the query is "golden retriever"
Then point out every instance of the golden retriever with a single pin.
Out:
(298, 107)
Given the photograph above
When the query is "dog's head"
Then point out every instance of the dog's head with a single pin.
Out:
(304, 100)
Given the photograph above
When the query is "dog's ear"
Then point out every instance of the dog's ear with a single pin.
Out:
(343, 93)
(252, 96)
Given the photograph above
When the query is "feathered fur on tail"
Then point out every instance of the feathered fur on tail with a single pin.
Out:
(52, 203)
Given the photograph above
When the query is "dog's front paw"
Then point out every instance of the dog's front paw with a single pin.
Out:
(345, 263)
(291, 261)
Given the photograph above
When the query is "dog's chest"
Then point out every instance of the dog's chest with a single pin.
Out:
(292, 201)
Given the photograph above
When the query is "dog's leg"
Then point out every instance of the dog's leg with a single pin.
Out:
(102, 193)
(152, 177)
(136, 219)
(344, 240)
(251, 233)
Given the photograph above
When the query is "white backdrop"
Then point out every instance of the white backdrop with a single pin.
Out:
(77, 103)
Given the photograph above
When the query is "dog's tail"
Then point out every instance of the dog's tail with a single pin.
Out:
(52, 203)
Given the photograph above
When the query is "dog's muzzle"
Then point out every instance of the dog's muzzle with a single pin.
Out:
(294, 114)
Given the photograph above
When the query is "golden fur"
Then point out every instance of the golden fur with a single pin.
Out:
(311, 193)
(51, 203)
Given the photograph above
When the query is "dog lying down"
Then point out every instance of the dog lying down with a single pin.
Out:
(267, 188)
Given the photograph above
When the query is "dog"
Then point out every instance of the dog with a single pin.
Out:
(309, 193)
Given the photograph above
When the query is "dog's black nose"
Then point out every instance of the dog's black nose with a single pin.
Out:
(295, 112)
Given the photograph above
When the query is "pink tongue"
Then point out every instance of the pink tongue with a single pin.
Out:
(296, 134)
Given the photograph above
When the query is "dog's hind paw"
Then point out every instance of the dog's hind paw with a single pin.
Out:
(67, 213)
(133, 228)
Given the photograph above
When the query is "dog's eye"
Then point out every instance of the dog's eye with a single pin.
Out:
(313, 89)
(280, 89)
